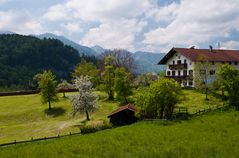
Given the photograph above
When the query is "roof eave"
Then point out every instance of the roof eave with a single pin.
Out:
(164, 60)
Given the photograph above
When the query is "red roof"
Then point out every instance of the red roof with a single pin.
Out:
(216, 55)
(128, 106)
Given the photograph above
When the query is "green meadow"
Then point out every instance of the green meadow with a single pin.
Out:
(214, 134)
(24, 117)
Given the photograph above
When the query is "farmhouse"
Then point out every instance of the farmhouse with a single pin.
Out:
(180, 63)
(123, 115)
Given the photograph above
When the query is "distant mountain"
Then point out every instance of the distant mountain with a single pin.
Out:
(146, 62)
(81, 49)
(98, 49)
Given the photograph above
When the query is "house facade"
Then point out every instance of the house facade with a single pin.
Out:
(181, 63)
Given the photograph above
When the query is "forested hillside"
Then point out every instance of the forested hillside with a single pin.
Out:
(21, 57)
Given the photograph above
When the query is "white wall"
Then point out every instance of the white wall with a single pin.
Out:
(178, 56)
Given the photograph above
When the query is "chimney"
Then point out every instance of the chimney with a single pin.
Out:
(210, 48)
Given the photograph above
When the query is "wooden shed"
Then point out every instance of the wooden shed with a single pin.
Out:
(123, 115)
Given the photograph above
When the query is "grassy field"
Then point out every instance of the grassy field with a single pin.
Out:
(211, 135)
(23, 117)
(195, 100)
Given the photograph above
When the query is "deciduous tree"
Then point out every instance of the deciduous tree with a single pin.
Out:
(202, 72)
(108, 76)
(63, 86)
(122, 84)
(47, 86)
(85, 101)
(85, 68)
(121, 58)
(228, 77)
(159, 99)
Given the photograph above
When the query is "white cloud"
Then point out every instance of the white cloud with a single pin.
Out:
(98, 10)
(119, 34)
(134, 25)
(19, 22)
(56, 13)
(230, 45)
(72, 27)
(167, 13)
(196, 22)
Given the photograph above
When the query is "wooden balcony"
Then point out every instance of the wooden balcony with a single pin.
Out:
(181, 78)
(178, 66)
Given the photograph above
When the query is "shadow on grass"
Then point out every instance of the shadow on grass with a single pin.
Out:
(55, 112)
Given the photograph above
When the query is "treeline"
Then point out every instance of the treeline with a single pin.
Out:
(21, 57)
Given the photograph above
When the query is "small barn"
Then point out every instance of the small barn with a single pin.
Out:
(123, 115)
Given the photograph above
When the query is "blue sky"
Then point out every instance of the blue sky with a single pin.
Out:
(147, 25)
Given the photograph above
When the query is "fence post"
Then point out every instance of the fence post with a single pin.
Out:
(32, 139)
(15, 142)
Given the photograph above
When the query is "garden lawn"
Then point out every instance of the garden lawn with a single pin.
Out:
(194, 100)
(23, 117)
(211, 135)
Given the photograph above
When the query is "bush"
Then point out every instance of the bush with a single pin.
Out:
(159, 100)
(94, 128)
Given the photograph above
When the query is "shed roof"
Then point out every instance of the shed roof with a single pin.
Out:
(122, 108)
(216, 55)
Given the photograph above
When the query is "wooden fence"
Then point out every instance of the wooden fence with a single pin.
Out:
(183, 112)
(15, 142)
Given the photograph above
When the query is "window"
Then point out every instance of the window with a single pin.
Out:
(213, 63)
(223, 62)
(178, 57)
(190, 83)
(235, 63)
(190, 72)
(173, 62)
(230, 63)
(179, 62)
(190, 63)
(168, 73)
(185, 73)
(185, 83)
(185, 61)
(212, 72)
(173, 73)
(179, 73)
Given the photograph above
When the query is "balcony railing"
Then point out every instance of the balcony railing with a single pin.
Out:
(180, 78)
(178, 66)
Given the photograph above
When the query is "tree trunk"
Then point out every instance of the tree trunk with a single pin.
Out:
(64, 95)
(87, 116)
(161, 112)
(206, 94)
(111, 97)
(49, 103)
(125, 99)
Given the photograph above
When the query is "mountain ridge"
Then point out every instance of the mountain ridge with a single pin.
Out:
(83, 50)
